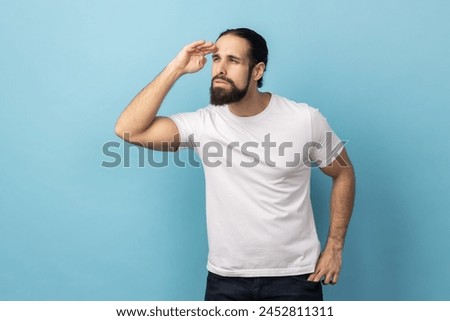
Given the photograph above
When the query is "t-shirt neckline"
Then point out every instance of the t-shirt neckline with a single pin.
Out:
(257, 116)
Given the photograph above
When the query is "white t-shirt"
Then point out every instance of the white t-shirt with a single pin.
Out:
(257, 174)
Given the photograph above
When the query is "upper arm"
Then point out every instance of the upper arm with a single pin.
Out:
(162, 134)
(340, 166)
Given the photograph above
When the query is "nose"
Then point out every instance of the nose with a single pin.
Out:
(220, 68)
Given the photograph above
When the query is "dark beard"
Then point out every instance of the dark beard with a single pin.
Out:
(223, 96)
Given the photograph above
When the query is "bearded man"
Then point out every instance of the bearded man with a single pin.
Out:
(257, 150)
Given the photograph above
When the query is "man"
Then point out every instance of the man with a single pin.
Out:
(257, 149)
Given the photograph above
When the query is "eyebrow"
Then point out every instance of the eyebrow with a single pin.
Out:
(229, 56)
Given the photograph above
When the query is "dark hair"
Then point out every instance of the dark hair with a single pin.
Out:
(258, 48)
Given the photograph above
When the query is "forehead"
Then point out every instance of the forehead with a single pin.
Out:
(232, 45)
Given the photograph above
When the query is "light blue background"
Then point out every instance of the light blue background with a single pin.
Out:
(71, 229)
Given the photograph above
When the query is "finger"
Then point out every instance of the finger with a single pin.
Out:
(194, 45)
(209, 51)
(335, 279)
(316, 277)
(331, 278)
(210, 48)
(206, 48)
(206, 44)
(327, 279)
(311, 277)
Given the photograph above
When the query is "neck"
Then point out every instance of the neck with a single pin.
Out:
(252, 104)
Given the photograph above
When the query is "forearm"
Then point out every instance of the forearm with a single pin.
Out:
(142, 110)
(341, 207)
(328, 266)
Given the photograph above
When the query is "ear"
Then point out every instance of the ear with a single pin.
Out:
(258, 71)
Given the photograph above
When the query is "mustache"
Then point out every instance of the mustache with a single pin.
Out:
(221, 77)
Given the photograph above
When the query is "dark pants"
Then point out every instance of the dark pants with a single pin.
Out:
(280, 288)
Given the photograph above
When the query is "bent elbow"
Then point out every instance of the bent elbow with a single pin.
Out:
(122, 132)
(119, 131)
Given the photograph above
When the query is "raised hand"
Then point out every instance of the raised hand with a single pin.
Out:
(138, 123)
(192, 57)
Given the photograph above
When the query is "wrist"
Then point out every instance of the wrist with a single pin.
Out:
(334, 245)
(174, 70)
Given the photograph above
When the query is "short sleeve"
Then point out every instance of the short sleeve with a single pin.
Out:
(189, 126)
(325, 146)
